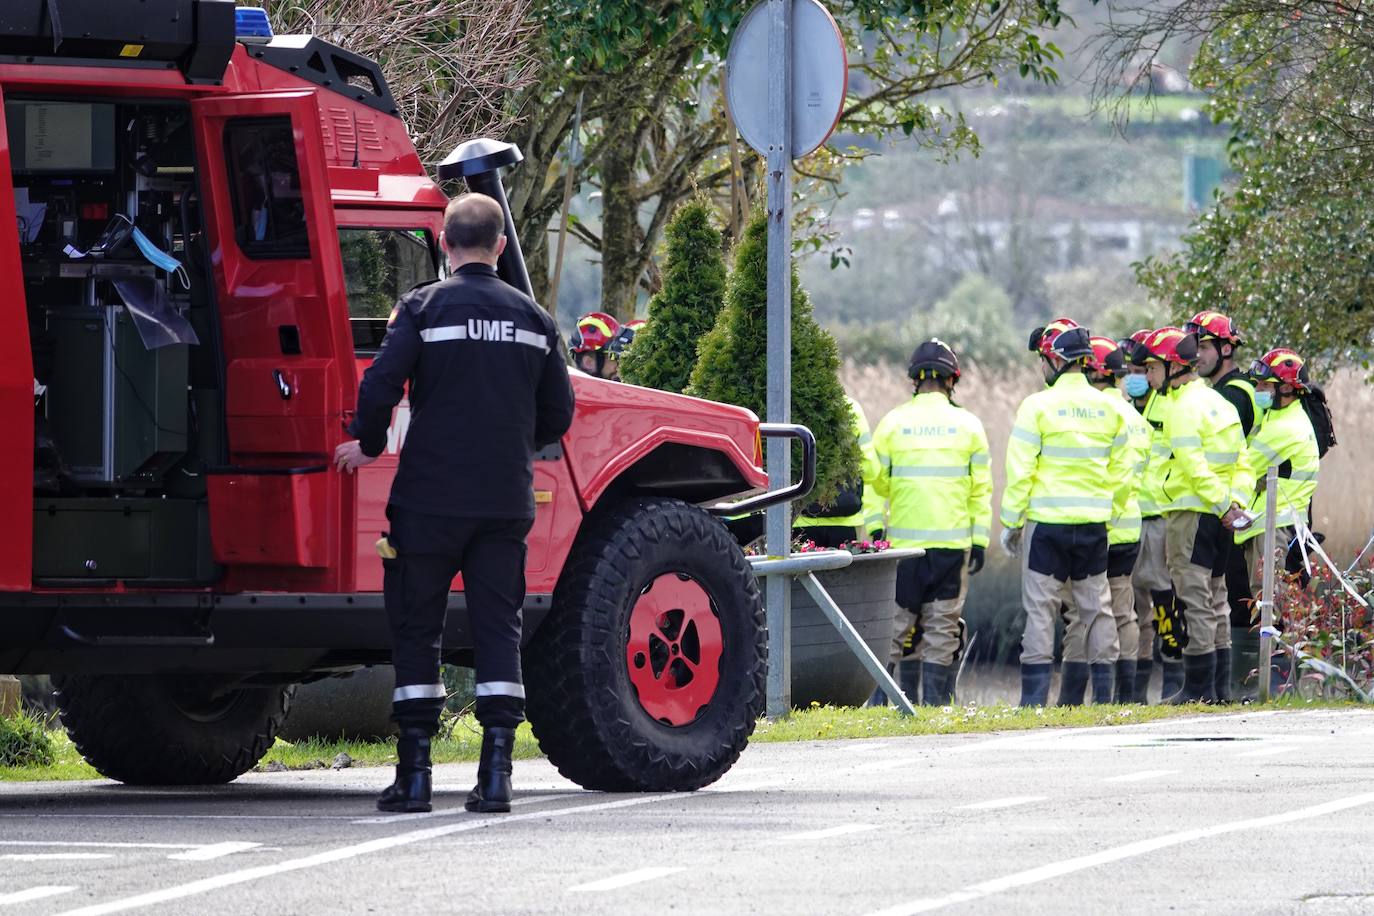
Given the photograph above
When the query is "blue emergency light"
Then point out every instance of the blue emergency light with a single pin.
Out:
(250, 24)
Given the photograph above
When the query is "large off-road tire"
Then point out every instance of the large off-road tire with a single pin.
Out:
(169, 730)
(648, 674)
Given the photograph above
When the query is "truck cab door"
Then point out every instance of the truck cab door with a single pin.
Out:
(281, 517)
(16, 392)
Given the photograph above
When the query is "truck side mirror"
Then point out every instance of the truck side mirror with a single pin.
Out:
(479, 162)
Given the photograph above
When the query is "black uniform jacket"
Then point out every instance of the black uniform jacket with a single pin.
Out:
(1244, 406)
(488, 388)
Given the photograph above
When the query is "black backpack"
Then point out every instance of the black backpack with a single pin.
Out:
(1319, 412)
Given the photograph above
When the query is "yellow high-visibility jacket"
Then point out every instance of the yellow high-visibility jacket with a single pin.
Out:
(936, 474)
(1284, 440)
(1065, 463)
(1205, 473)
(868, 469)
(1124, 525)
(1152, 498)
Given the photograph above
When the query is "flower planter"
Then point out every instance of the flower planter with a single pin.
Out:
(824, 670)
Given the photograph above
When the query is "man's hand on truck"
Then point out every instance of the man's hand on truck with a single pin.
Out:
(349, 456)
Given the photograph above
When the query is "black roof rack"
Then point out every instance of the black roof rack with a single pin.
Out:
(330, 66)
(196, 36)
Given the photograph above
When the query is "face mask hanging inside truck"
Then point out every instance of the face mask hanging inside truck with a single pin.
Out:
(127, 399)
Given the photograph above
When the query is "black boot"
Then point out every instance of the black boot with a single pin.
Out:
(1222, 676)
(1198, 674)
(491, 795)
(1073, 683)
(1125, 681)
(1172, 683)
(909, 679)
(1144, 669)
(1035, 683)
(935, 684)
(1103, 676)
(411, 791)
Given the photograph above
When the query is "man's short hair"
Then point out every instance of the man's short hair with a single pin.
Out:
(473, 221)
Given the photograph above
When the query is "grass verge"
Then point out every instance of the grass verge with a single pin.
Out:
(463, 742)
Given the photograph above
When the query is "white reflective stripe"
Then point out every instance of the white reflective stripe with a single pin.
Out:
(1009, 520)
(438, 335)
(1221, 457)
(1076, 451)
(1303, 475)
(1119, 441)
(980, 458)
(1126, 524)
(865, 439)
(1071, 502)
(1187, 502)
(929, 534)
(1025, 435)
(1162, 450)
(1265, 450)
(909, 470)
(885, 461)
(531, 339)
(981, 530)
(1187, 441)
(418, 692)
(500, 689)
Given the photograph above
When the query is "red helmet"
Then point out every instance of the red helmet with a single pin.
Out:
(1167, 345)
(1042, 339)
(1282, 366)
(595, 331)
(1211, 325)
(1106, 358)
(625, 336)
(1128, 344)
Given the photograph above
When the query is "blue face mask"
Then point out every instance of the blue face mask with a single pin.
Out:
(1137, 386)
(1264, 399)
(159, 258)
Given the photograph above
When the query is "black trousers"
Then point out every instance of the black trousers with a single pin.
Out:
(431, 551)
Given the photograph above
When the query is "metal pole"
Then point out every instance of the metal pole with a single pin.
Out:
(856, 643)
(779, 542)
(1266, 644)
(574, 159)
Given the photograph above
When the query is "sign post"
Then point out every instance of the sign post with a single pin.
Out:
(794, 48)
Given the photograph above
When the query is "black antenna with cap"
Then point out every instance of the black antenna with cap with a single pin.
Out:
(479, 163)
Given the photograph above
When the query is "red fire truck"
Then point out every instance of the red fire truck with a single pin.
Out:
(202, 229)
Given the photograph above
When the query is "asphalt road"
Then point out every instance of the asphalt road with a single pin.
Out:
(1254, 813)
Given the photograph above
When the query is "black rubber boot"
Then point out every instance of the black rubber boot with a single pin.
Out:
(491, 795)
(1199, 672)
(909, 679)
(1144, 670)
(1035, 684)
(1125, 681)
(1222, 676)
(1073, 683)
(1103, 679)
(411, 791)
(935, 686)
(1172, 683)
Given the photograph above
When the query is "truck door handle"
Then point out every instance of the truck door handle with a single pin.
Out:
(283, 385)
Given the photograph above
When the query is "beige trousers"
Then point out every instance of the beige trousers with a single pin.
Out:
(1198, 574)
(1042, 596)
(1123, 613)
(1151, 575)
(939, 624)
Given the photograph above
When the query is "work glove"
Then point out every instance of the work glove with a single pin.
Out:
(1011, 541)
(878, 534)
(976, 556)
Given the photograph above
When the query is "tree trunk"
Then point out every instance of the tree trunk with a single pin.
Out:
(620, 232)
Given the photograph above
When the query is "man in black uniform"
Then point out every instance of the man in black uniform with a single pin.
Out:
(488, 388)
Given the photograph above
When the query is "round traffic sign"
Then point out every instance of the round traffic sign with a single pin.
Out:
(820, 76)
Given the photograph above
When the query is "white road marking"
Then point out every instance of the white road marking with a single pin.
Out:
(1268, 752)
(827, 832)
(1130, 850)
(34, 893)
(213, 851)
(67, 844)
(996, 803)
(630, 877)
(343, 853)
(183, 817)
(1142, 776)
(46, 856)
(451, 812)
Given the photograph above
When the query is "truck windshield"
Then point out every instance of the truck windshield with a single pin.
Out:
(381, 265)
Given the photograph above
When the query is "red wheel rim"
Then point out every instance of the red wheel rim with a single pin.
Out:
(674, 649)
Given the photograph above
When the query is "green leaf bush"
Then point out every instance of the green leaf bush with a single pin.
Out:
(733, 367)
(685, 309)
(24, 742)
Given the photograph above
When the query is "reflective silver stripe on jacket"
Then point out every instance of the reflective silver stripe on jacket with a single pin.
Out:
(500, 689)
(918, 470)
(1025, 435)
(980, 458)
(981, 531)
(1070, 502)
(1303, 475)
(929, 534)
(461, 332)
(418, 692)
(1264, 449)
(1221, 457)
(1186, 441)
(1076, 451)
